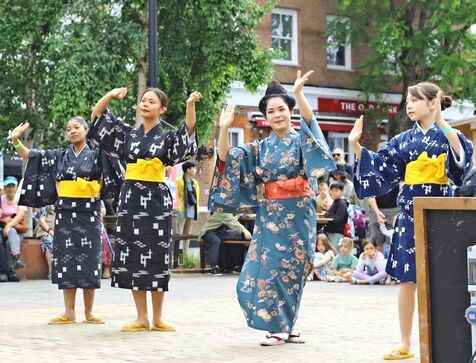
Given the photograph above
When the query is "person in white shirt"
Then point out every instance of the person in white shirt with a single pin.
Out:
(371, 266)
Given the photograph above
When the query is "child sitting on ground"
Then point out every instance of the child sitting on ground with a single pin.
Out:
(344, 263)
(371, 266)
(322, 257)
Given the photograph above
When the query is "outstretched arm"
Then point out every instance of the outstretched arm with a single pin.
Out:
(15, 135)
(355, 136)
(101, 105)
(226, 119)
(303, 105)
(190, 117)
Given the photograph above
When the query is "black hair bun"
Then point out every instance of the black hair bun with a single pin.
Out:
(446, 102)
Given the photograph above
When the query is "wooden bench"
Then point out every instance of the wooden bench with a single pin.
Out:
(34, 260)
(226, 241)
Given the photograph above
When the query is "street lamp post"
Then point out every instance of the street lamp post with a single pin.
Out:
(152, 43)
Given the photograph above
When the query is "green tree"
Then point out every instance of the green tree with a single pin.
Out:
(59, 57)
(413, 41)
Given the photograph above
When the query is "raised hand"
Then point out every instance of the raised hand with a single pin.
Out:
(438, 98)
(194, 97)
(19, 131)
(227, 115)
(118, 93)
(356, 132)
(300, 81)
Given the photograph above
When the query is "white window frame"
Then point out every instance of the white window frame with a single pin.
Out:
(349, 152)
(294, 40)
(348, 47)
(241, 136)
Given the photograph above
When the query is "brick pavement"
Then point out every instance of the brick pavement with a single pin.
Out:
(340, 322)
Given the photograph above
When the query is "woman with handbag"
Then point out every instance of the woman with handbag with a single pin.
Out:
(12, 220)
(70, 178)
(281, 251)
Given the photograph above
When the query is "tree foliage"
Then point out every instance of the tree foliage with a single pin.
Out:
(58, 57)
(412, 41)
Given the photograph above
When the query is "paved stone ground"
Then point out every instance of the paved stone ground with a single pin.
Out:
(340, 322)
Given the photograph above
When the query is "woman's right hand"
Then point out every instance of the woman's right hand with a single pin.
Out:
(356, 132)
(19, 131)
(118, 93)
(227, 115)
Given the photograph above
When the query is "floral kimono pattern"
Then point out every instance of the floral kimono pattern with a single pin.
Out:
(280, 254)
(144, 228)
(378, 173)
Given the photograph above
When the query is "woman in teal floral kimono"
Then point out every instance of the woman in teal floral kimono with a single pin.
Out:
(280, 255)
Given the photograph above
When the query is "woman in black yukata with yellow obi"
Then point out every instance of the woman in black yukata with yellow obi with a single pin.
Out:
(70, 178)
(143, 233)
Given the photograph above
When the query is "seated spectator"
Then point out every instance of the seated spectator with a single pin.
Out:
(334, 230)
(12, 217)
(343, 265)
(6, 265)
(217, 229)
(322, 258)
(323, 200)
(45, 232)
(371, 266)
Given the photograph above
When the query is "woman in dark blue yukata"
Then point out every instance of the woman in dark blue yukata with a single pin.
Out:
(426, 159)
(71, 179)
(144, 228)
(280, 255)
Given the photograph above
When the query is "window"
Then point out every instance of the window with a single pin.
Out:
(338, 43)
(284, 36)
(235, 137)
(341, 140)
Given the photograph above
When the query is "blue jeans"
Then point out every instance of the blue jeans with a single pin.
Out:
(14, 241)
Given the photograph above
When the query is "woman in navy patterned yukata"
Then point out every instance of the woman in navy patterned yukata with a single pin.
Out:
(426, 159)
(143, 235)
(70, 178)
(279, 258)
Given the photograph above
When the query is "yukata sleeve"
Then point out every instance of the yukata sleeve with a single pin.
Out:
(109, 133)
(317, 157)
(378, 173)
(458, 167)
(180, 146)
(39, 180)
(233, 187)
(113, 172)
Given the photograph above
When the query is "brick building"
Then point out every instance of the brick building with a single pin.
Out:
(298, 28)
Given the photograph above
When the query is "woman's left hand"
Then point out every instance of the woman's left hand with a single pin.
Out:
(194, 97)
(438, 98)
(300, 81)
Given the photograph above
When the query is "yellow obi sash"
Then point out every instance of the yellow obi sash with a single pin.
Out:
(425, 170)
(146, 170)
(79, 188)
